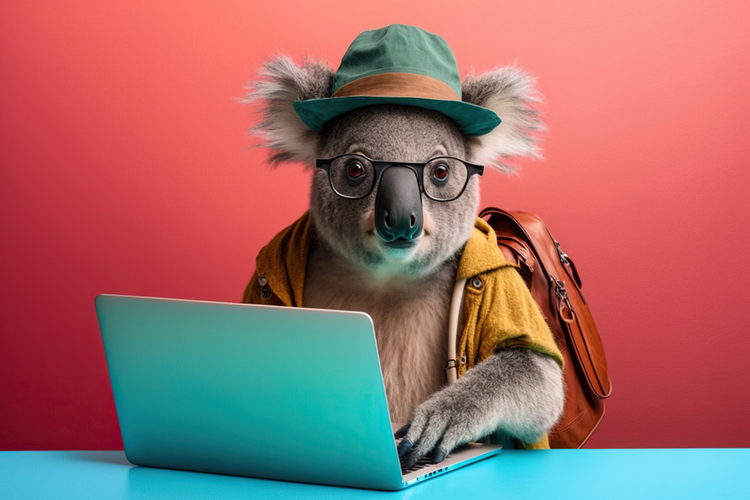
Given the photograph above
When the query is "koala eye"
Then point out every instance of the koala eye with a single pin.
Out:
(440, 174)
(356, 169)
(356, 172)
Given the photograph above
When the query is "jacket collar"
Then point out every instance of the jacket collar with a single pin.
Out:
(481, 253)
(284, 259)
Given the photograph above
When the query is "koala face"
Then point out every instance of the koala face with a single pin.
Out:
(348, 226)
(399, 134)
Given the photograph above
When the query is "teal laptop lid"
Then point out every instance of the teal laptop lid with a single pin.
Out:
(272, 392)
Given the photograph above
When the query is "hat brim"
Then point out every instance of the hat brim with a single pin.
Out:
(472, 120)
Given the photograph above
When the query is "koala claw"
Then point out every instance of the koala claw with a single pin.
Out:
(439, 455)
(402, 431)
(404, 446)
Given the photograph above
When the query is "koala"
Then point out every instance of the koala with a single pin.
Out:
(394, 253)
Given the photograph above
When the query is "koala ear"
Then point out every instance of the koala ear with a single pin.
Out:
(509, 92)
(278, 84)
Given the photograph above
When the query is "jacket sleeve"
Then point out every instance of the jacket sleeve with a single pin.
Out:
(513, 319)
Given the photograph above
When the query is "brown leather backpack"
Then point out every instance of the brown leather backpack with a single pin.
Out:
(555, 285)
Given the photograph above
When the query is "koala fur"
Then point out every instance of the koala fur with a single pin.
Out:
(518, 391)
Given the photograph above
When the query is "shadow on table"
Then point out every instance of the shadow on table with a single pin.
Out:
(147, 482)
(111, 457)
(144, 482)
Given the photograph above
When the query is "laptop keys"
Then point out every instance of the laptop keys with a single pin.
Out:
(421, 464)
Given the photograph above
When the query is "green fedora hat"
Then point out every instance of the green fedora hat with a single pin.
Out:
(398, 64)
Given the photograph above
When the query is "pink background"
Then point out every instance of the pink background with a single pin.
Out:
(124, 168)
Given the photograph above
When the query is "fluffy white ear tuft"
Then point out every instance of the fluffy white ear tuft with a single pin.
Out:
(278, 84)
(510, 92)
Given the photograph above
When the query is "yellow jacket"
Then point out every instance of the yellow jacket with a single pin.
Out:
(499, 311)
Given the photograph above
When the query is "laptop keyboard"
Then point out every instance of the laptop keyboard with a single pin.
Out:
(425, 461)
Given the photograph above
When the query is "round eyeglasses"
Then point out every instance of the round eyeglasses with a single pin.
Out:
(443, 178)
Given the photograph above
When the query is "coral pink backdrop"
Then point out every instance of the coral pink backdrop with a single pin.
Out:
(124, 168)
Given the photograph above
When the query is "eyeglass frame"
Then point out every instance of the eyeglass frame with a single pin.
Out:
(381, 166)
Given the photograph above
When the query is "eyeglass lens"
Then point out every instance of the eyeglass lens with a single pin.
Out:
(353, 176)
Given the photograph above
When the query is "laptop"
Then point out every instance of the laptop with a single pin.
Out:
(291, 394)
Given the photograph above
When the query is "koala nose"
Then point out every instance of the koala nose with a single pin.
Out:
(398, 205)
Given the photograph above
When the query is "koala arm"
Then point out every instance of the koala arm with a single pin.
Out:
(519, 391)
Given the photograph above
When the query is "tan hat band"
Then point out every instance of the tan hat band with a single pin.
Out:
(398, 85)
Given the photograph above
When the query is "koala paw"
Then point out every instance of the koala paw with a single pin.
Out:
(516, 390)
(446, 420)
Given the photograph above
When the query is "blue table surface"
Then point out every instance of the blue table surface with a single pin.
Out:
(553, 474)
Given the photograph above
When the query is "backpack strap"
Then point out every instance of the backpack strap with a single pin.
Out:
(451, 368)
